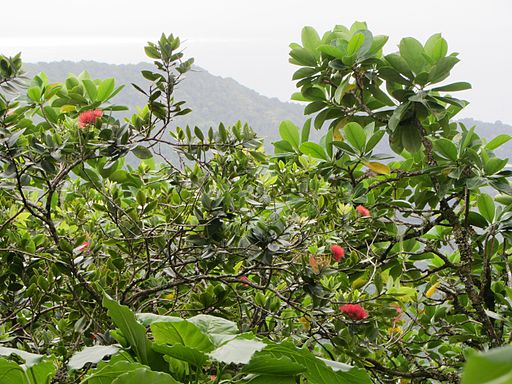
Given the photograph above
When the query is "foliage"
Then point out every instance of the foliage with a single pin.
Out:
(420, 277)
(202, 349)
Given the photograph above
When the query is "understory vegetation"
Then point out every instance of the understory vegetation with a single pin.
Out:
(323, 262)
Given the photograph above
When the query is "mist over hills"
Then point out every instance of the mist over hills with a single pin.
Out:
(214, 99)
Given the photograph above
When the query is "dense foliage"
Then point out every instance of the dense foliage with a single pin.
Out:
(397, 263)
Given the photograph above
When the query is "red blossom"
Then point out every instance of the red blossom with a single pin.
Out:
(89, 117)
(338, 252)
(244, 279)
(82, 247)
(354, 311)
(363, 211)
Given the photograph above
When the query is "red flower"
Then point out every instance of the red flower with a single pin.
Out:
(363, 211)
(338, 252)
(354, 311)
(244, 279)
(81, 248)
(89, 117)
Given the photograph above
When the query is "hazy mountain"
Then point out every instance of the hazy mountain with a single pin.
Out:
(215, 99)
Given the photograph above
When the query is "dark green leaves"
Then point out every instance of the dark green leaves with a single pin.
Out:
(133, 332)
(445, 148)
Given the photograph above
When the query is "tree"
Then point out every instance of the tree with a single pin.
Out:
(395, 263)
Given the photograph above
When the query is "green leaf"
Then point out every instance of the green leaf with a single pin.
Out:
(264, 363)
(10, 372)
(92, 354)
(476, 219)
(410, 137)
(142, 152)
(181, 332)
(355, 135)
(105, 89)
(282, 146)
(317, 372)
(314, 150)
(498, 141)
(34, 93)
(446, 148)
(436, 47)
(211, 325)
(412, 51)
(290, 133)
(331, 50)
(144, 375)
(486, 207)
(183, 353)
(42, 372)
(310, 39)
(303, 57)
(90, 88)
(491, 367)
(355, 43)
(152, 52)
(397, 115)
(399, 63)
(110, 371)
(134, 332)
(460, 86)
(304, 135)
(442, 69)
(494, 165)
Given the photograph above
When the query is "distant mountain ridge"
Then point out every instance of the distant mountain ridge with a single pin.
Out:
(214, 99)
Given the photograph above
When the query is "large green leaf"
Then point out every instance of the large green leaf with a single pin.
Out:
(181, 332)
(134, 332)
(498, 141)
(491, 367)
(355, 135)
(264, 363)
(290, 133)
(317, 372)
(110, 371)
(411, 138)
(460, 86)
(314, 150)
(42, 372)
(105, 89)
(442, 69)
(310, 39)
(486, 207)
(399, 63)
(436, 47)
(11, 373)
(446, 148)
(218, 329)
(181, 352)
(144, 375)
(412, 51)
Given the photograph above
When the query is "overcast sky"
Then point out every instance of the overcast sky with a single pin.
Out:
(248, 40)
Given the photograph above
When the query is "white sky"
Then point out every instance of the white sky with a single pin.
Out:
(248, 40)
